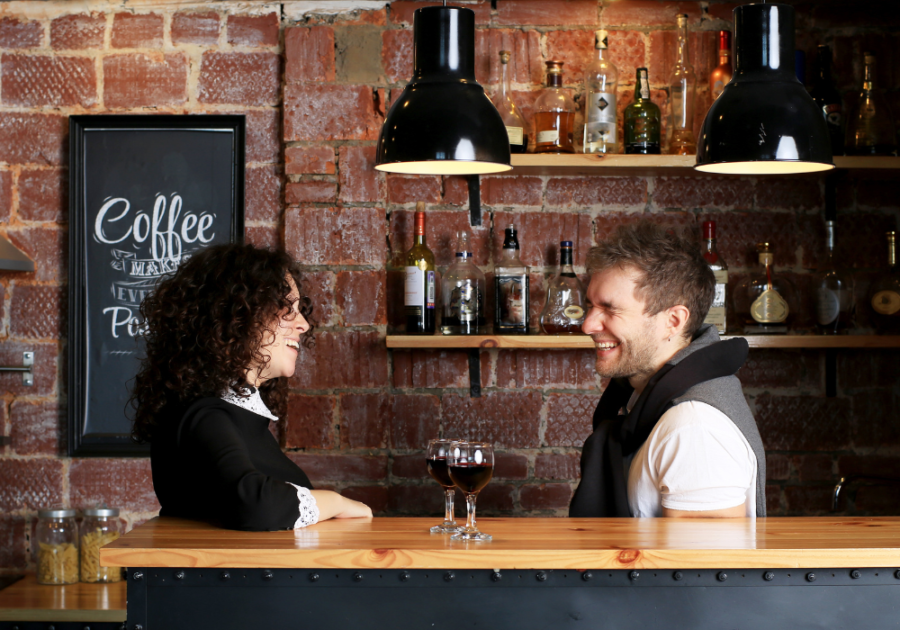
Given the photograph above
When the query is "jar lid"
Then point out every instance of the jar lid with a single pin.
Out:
(56, 513)
(101, 512)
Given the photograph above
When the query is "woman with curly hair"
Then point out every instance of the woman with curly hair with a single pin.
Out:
(222, 337)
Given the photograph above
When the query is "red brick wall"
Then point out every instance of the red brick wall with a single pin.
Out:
(315, 89)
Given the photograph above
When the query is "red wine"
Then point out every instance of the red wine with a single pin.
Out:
(471, 477)
(437, 467)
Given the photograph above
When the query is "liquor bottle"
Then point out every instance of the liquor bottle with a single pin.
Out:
(419, 287)
(832, 291)
(511, 289)
(721, 74)
(642, 120)
(516, 128)
(462, 290)
(884, 292)
(600, 80)
(716, 315)
(765, 302)
(554, 115)
(828, 99)
(682, 91)
(563, 313)
(870, 129)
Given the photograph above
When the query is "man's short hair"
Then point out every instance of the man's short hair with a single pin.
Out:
(671, 269)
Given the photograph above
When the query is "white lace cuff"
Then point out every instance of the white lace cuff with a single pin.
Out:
(309, 511)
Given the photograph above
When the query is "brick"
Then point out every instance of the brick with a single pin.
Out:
(547, 496)
(526, 65)
(877, 499)
(880, 466)
(817, 467)
(43, 195)
(376, 497)
(45, 81)
(576, 48)
(413, 188)
(414, 420)
(30, 484)
(778, 467)
(855, 228)
(808, 500)
(46, 366)
(309, 54)
(648, 13)
(803, 423)
(249, 79)
(360, 296)
(456, 190)
(336, 236)
(547, 13)
(20, 34)
(867, 368)
(322, 467)
(32, 138)
(737, 234)
(441, 229)
(374, 17)
(47, 247)
(494, 499)
(430, 368)
(510, 466)
(557, 466)
(403, 11)
(132, 30)
(263, 236)
(397, 55)
(343, 359)
(877, 421)
(704, 192)
(873, 194)
(195, 27)
(536, 368)
(6, 195)
(723, 11)
(310, 422)
(310, 191)
(780, 368)
(410, 467)
(262, 196)
(417, 500)
(365, 420)
(78, 32)
(790, 194)
(505, 419)
(318, 286)
(263, 135)
(38, 312)
(124, 483)
(141, 80)
(358, 51)
(569, 418)
(605, 192)
(13, 543)
(511, 190)
(253, 30)
(317, 160)
(314, 112)
(541, 233)
(37, 428)
(358, 178)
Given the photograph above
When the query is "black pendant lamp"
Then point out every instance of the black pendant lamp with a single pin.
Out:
(443, 123)
(764, 122)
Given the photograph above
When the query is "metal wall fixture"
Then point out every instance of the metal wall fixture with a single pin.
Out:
(27, 368)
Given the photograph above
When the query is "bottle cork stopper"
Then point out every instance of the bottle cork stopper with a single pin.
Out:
(504, 56)
(420, 206)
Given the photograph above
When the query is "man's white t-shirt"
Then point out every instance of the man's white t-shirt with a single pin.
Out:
(694, 459)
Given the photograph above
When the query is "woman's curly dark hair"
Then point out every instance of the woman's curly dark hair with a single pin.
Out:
(204, 325)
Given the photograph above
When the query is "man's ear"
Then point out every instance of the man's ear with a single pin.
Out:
(677, 319)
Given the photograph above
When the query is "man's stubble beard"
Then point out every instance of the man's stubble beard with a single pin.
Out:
(636, 357)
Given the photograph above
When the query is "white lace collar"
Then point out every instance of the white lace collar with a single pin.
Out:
(251, 401)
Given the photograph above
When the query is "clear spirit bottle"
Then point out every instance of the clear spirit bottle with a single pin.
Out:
(554, 115)
(765, 302)
(462, 291)
(682, 93)
(563, 312)
(642, 119)
(511, 289)
(884, 292)
(832, 291)
(717, 312)
(516, 127)
(600, 81)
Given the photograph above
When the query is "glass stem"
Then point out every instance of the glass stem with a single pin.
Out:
(470, 511)
(448, 504)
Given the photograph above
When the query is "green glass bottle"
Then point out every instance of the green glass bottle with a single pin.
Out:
(642, 119)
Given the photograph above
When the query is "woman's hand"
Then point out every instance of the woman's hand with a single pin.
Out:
(333, 505)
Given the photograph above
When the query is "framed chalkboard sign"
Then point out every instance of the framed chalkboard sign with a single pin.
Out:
(145, 193)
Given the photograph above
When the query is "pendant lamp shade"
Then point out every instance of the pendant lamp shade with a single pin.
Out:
(443, 123)
(764, 122)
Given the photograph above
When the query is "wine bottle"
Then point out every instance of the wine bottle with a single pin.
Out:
(832, 291)
(870, 130)
(765, 302)
(554, 115)
(600, 80)
(419, 286)
(827, 97)
(462, 289)
(884, 292)
(563, 312)
(716, 315)
(721, 74)
(682, 92)
(642, 120)
(511, 288)
(516, 127)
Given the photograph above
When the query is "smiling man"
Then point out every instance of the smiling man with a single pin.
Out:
(672, 434)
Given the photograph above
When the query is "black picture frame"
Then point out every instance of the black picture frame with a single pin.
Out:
(144, 191)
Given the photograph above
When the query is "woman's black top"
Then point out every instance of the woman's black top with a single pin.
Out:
(215, 461)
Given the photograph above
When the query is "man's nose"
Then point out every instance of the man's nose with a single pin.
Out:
(593, 323)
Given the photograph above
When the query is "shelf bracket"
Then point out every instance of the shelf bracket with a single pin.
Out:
(474, 373)
(27, 368)
(474, 200)
(830, 372)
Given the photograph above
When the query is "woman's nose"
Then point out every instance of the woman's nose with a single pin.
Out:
(301, 323)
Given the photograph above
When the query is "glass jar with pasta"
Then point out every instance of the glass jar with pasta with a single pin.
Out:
(56, 546)
(99, 527)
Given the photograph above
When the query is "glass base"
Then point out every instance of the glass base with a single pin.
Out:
(472, 534)
(447, 527)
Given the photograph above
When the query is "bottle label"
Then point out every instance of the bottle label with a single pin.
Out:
(828, 306)
(716, 314)
(645, 87)
(833, 114)
(574, 312)
(512, 300)
(464, 301)
(886, 302)
(601, 107)
(548, 135)
(769, 308)
(429, 289)
(516, 135)
(414, 294)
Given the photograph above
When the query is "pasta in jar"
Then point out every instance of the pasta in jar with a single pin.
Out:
(57, 547)
(100, 527)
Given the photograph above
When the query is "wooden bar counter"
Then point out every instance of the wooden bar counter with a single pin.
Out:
(537, 573)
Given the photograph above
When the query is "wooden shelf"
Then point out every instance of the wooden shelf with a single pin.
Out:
(555, 342)
(618, 164)
(26, 600)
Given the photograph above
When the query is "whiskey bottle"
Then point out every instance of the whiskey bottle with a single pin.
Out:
(563, 312)
(600, 80)
(642, 120)
(765, 302)
(884, 293)
(462, 291)
(870, 129)
(682, 92)
(721, 74)
(827, 97)
(832, 291)
(418, 295)
(511, 289)
(516, 128)
(554, 115)
(716, 315)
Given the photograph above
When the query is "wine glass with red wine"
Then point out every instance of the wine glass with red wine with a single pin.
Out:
(471, 467)
(436, 460)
